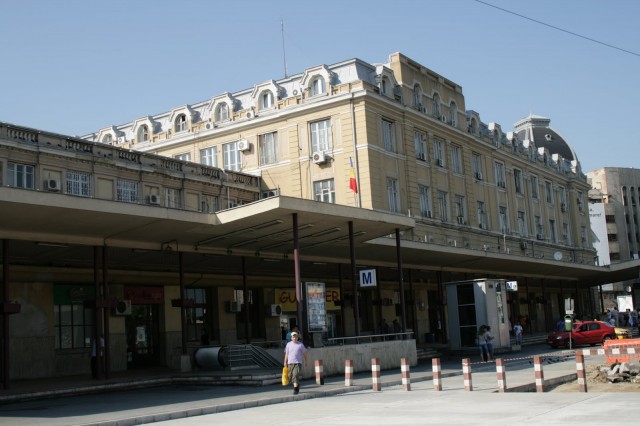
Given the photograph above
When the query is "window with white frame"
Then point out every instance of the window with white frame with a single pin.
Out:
(420, 142)
(436, 105)
(393, 194)
(172, 198)
(562, 197)
(534, 187)
(180, 124)
(417, 97)
(438, 153)
(127, 191)
(231, 157)
(503, 219)
(517, 181)
(209, 203)
(496, 138)
(143, 133)
(522, 224)
(537, 222)
(425, 201)
(476, 160)
(324, 191)
(266, 100)
(459, 204)
(482, 215)
(78, 183)
(453, 114)
(222, 112)
(20, 175)
(268, 145)
(548, 190)
(318, 86)
(498, 169)
(384, 85)
(209, 156)
(580, 200)
(456, 159)
(443, 206)
(108, 139)
(388, 136)
(186, 156)
(566, 233)
(552, 231)
(320, 135)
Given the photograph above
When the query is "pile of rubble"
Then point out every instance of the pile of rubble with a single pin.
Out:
(619, 372)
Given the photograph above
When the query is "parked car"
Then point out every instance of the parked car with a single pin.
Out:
(584, 333)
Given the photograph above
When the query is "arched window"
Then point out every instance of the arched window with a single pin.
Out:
(181, 123)
(108, 138)
(453, 114)
(318, 86)
(436, 105)
(266, 100)
(222, 112)
(143, 133)
(417, 97)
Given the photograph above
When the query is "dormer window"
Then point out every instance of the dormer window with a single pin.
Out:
(143, 133)
(384, 83)
(180, 123)
(266, 100)
(417, 97)
(436, 105)
(453, 114)
(222, 112)
(318, 86)
(108, 139)
(473, 126)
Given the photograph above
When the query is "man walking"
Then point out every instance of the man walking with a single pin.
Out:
(294, 353)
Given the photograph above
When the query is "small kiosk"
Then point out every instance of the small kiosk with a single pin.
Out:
(473, 303)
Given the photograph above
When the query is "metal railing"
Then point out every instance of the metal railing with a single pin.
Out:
(369, 338)
(250, 356)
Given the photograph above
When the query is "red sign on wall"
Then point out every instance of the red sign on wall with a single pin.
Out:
(144, 295)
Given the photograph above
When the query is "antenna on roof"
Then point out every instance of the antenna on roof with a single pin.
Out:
(284, 53)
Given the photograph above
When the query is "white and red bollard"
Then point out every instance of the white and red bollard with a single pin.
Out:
(348, 372)
(406, 380)
(319, 371)
(537, 366)
(501, 374)
(582, 378)
(375, 374)
(466, 371)
(437, 374)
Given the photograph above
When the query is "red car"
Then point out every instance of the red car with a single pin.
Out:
(584, 333)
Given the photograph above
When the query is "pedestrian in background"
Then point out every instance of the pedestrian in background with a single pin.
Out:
(482, 342)
(517, 330)
(488, 336)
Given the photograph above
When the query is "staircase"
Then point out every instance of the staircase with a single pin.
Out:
(250, 357)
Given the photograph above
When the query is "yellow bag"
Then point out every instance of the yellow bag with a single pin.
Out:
(285, 376)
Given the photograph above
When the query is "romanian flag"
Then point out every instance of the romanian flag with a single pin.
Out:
(353, 183)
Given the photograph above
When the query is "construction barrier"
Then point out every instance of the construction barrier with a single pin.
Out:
(375, 374)
(348, 372)
(466, 371)
(502, 375)
(319, 371)
(582, 379)
(406, 380)
(616, 349)
(539, 374)
(437, 374)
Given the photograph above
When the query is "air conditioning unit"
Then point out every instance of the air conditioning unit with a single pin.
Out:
(233, 306)
(524, 245)
(421, 156)
(276, 310)
(439, 162)
(319, 157)
(123, 307)
(153, 199)
(563, 207)
(244, 145)
(121, 139)
(52, 185)
(461, 220)
(479, 175)
(540, 236)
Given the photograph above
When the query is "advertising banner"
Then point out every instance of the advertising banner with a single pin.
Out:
(316, 309)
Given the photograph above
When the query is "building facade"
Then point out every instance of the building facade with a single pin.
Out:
(208, 216)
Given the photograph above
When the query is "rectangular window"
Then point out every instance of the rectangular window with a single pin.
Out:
(580, 200)
(566, 235)
(443, 206)
(503, 219)
(482, 215)
(537, 221)
(172, 198)
(321, 136)
(498, 169)
(562, 198)
(231, 159)
(324, 190)
(183, 157)
(548, 190)
(456, 159)
(438, 153)
(534, 187)
(517, 180)
(73, 326)
(583, 236)
(268, 144)
(425, 201)
(459, 203)
(127, 191)
(522, 224)
(477, 166)
(78, 184)
(198, 321)
(420, 142)
(209, 204)
(388, 136)
(20, 175)
(552, 231)
(209, 156)
(393, 195)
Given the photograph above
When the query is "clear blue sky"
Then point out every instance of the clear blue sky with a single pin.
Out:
(76, 66)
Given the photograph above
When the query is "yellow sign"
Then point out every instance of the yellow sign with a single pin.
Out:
(286, 297)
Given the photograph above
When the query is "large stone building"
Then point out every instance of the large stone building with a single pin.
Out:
(207, 220)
